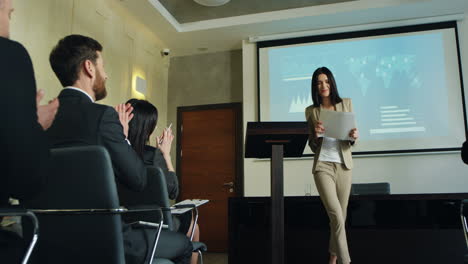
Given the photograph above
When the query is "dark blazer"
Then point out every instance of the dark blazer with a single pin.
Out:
(24, 147)
(23, 144)
(79, 121)
(154, 157)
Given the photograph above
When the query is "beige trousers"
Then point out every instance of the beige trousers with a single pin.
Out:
(333, 183)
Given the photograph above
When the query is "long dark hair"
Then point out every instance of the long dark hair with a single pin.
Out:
(142, 125)
(316, 98)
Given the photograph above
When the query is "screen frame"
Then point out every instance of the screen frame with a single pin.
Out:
(371, 33)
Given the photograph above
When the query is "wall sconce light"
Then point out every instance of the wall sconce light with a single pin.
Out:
(140, 85)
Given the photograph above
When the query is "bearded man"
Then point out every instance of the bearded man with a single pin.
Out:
(78, 63)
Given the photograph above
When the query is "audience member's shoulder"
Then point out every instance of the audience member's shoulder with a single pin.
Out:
(149, 153)
(12, 48)
(104, 111)
(104, 108)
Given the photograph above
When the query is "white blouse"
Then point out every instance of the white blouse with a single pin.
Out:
(331, 150)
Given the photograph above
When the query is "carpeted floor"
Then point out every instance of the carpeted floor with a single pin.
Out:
(215, 258)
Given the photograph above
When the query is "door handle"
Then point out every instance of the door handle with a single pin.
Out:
(229, 184)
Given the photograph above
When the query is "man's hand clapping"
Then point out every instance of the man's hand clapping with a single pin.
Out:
(46, 113)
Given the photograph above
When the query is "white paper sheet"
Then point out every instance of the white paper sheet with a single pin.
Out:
(337, 124)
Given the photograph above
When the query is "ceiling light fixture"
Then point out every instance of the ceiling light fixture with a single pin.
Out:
(211, 2)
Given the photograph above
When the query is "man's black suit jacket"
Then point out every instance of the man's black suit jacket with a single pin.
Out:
(79, 121)
(23, 144)
(25, 152)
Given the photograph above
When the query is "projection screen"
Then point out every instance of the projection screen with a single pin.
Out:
(405, 84)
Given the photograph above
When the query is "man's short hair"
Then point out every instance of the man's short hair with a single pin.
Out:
(69, 54)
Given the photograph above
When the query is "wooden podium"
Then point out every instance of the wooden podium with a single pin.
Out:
(276, 140)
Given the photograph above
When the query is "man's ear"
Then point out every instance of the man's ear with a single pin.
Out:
(89, 69)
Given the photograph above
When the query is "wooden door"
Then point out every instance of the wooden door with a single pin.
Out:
(209, 165)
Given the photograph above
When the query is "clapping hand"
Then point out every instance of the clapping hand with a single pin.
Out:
(164, 142)
(125, 116)
(46, 113)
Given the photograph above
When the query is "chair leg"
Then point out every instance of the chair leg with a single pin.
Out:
(35, 237)
(200, 257)
(35, 222)
(156, 240)
(465, 229)
(464, 224)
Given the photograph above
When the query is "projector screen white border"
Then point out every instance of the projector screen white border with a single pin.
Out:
(359, 27)
(364, 34)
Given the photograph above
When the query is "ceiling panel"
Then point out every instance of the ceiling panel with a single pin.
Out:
(227, 33)
(187, 11)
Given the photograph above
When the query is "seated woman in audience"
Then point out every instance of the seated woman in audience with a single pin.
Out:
(141, 126)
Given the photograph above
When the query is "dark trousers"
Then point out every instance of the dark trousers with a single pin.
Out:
(138, 244)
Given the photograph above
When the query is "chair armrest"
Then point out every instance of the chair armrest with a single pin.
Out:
(195, 210)
(179, 206)
(195, 220)
(119, 210)
(147, 208)
(13, 211)
(199, 246)
(81, 211)
(148, 224)
(17, 211)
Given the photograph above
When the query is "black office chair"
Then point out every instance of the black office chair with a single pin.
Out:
(12, 211)
(370, 188)
(79, 211)
(464, 222)
(464, 152)
(156, 193)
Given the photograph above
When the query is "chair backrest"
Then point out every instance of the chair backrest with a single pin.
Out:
(464, 152)
(370, 188)
(464, 217)
(81, 178)
(155, 193)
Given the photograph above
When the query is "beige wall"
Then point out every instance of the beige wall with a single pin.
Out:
(211, 78)
(436, 173)
(130, 49)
